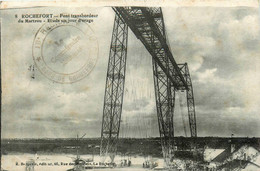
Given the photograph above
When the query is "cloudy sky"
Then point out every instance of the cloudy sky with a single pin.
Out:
(220, 45)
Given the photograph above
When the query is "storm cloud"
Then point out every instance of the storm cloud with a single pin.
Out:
(220, 45)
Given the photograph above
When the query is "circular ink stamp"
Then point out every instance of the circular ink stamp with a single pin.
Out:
(65, 53)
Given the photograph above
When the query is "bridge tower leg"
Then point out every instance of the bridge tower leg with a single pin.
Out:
(165, 100)
(114, 89)
(190, 99)
(190, 104)
(164, 94)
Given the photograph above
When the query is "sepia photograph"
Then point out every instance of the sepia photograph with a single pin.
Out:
(138, 86)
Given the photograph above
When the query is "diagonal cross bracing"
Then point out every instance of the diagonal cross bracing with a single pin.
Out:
(148, 26)
(190, 99)
(165, 97)
(142, 21)
(114, 89)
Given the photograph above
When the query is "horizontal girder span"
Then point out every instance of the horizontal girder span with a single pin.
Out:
(143, 24)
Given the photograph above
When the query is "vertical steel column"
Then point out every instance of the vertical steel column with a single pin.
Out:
(114, 89)
(190, 103)
(190, 99)
(165, 97)
(164, 93)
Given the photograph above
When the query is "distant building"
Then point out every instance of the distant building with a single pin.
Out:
(239, 165)
(210, 153)
(238, 157)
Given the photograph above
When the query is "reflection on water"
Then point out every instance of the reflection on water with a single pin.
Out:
(59, 162)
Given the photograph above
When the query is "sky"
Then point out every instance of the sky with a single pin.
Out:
(220, 45)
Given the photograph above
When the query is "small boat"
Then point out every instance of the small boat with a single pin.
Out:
(79, 165)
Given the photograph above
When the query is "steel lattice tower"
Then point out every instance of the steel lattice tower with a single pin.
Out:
(148, 26)
(114, 89)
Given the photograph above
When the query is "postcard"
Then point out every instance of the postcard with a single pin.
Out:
(130, 85)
